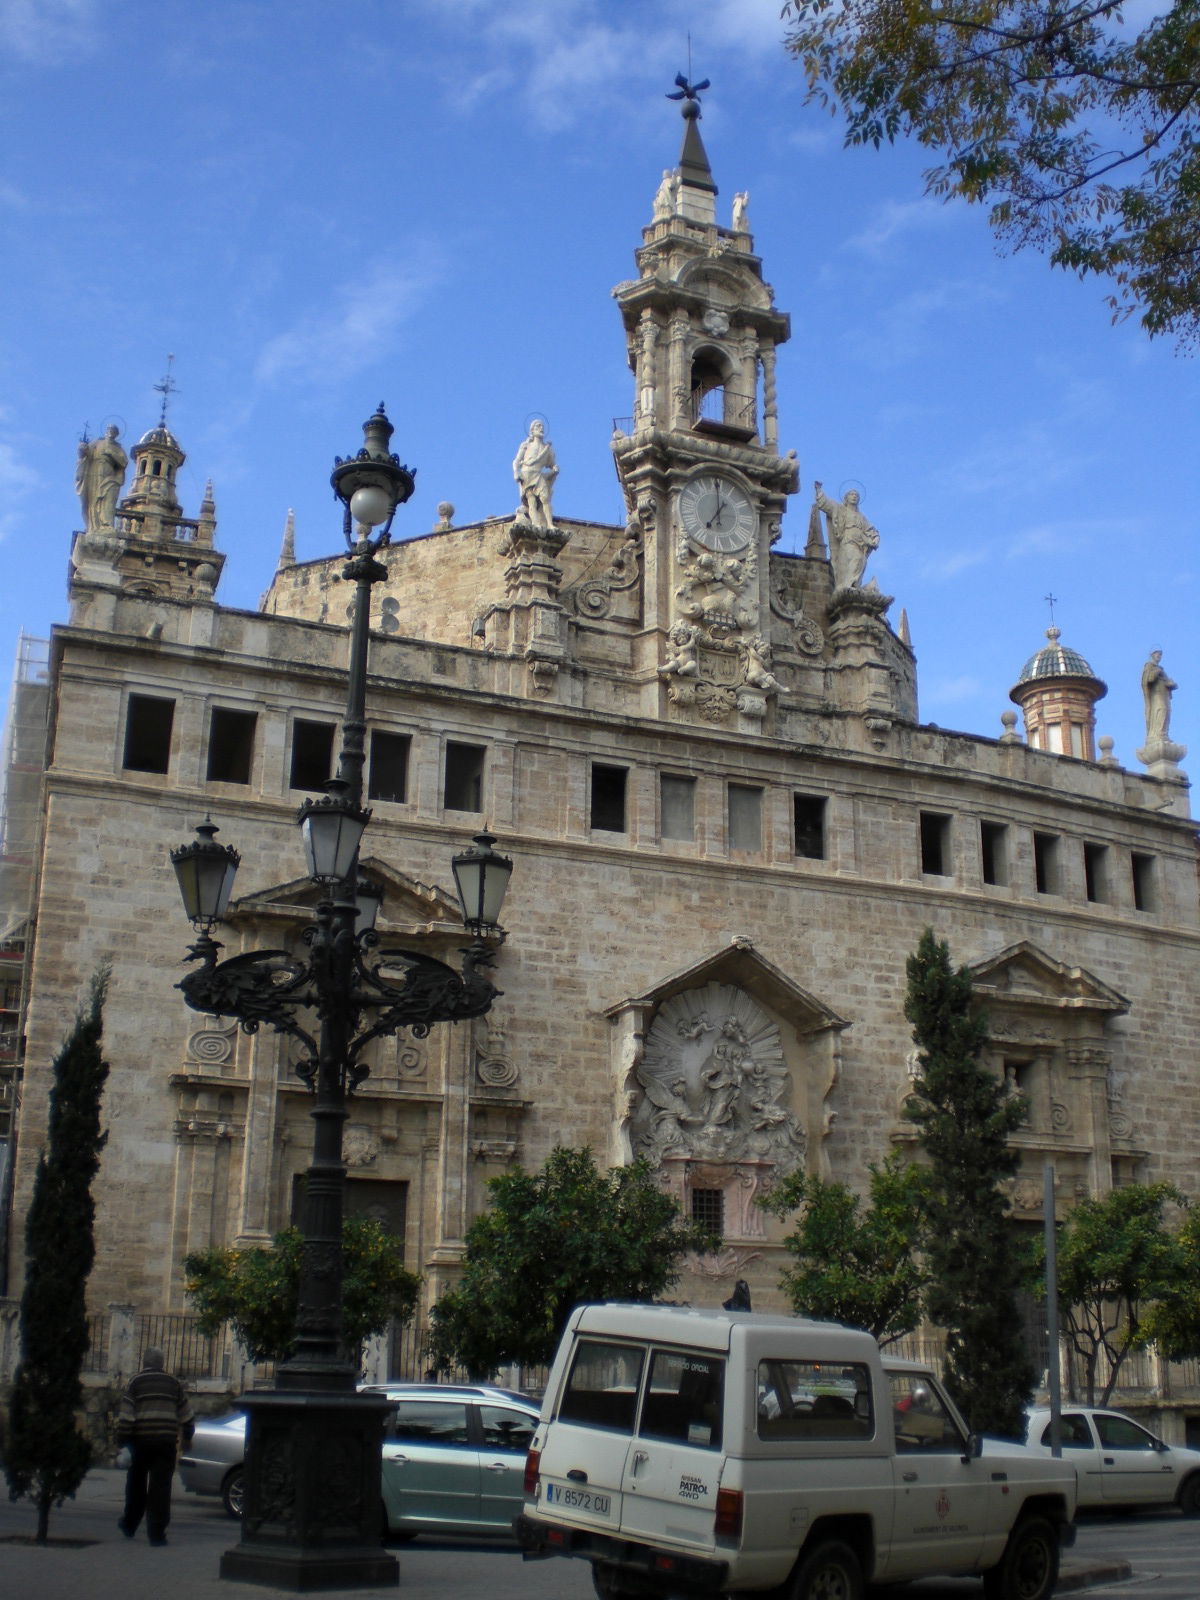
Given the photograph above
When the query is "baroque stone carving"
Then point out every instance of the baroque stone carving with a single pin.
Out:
(593, 598)
(493, 1063)
(714, 1083)
(786, 603)
(212, 1046)
(360, 1147)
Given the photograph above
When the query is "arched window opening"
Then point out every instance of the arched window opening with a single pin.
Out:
(708, 390)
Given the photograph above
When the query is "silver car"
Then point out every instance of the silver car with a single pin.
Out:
(1119, 1462)
(453, 1458)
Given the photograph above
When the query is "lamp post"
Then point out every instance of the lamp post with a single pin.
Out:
(312, 1506)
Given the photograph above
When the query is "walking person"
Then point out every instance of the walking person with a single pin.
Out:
(155, 1416)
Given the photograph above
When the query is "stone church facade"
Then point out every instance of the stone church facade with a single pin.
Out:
(729, 826)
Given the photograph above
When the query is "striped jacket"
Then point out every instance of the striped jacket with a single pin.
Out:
(155, 1406)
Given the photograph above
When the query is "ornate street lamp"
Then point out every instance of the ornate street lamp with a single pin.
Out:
(311, 1516)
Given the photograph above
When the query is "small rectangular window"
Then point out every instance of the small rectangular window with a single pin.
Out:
(608, 798)
(602, 1390)
(685, 1399)
(708, 1210)
(463, 790)
(1145, 889)
(230, 745)
(814, 1400)
(745, 817)
(312, 754)
(148, 723)
(993, 852)
(1095, 872)
(678, 797)
(935, 844)
(809, 814)
(1045, 862)
(388, 775)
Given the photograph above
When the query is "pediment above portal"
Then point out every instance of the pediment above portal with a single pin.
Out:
(727, 1061)
(1024, 975)
(742, 966)
(418, 908)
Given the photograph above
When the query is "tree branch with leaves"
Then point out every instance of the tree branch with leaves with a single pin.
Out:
(550, 1241)
(1082, 134)
(855, 1261)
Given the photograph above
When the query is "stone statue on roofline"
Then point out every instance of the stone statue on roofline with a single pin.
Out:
(851, 537)
(1160, 753)
(1157, 690)
(99, 476)
(535, 470)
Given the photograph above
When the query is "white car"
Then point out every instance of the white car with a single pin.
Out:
(1119, 1462)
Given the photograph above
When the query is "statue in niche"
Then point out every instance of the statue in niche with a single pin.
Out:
(534, 470)
(1157, 690)
(851, 537)
(714, 1085)
(99, 475)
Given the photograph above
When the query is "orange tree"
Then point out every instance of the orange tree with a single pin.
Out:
(549, 1241)
(255, 1290)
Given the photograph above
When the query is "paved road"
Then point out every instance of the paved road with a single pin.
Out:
(106, 1566)
(1164, 1550)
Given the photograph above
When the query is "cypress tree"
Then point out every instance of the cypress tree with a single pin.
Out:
(975, 1263)
(47, 1455)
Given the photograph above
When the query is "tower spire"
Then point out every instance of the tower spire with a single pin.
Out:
(697, 191)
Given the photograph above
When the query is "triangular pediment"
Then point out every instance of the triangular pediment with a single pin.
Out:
(407, 903)
(1025, 975)
(741, 966)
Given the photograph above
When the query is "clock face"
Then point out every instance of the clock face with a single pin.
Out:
(716, 513)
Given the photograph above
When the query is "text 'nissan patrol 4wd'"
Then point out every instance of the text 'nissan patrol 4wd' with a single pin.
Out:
(711, 1452)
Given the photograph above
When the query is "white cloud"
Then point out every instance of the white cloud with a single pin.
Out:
(1066, 536)
(561, 57)
(356, 330)
(895, 217)
(17, 479)
(46, 30)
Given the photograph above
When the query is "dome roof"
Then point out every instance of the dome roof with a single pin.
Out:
(160, 435)
(1054, 661)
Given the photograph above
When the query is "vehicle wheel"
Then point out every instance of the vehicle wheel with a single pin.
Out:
(830, 1571)
(1189, 1496)
(1028, 1569)
(233, 1492)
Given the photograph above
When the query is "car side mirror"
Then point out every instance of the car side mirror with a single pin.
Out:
(974, 1447)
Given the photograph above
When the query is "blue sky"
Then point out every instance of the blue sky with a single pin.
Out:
(314, 206)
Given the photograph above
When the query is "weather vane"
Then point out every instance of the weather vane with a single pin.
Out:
(688, 91)
(166, 387)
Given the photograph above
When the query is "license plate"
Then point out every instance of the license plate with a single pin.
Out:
(578, 1500)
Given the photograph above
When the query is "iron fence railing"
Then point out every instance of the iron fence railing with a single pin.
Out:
(187, 1352)
(96, 1359)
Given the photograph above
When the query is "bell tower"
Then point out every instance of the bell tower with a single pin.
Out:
(699, 459)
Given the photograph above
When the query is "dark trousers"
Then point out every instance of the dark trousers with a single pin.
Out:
(148, 1485)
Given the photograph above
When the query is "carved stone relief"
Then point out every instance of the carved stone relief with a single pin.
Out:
(714, 1083)
(494, 1065)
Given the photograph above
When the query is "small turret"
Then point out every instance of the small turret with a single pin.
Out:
(1057, 692)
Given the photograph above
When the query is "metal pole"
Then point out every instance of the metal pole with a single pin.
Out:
(1052, 1334)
